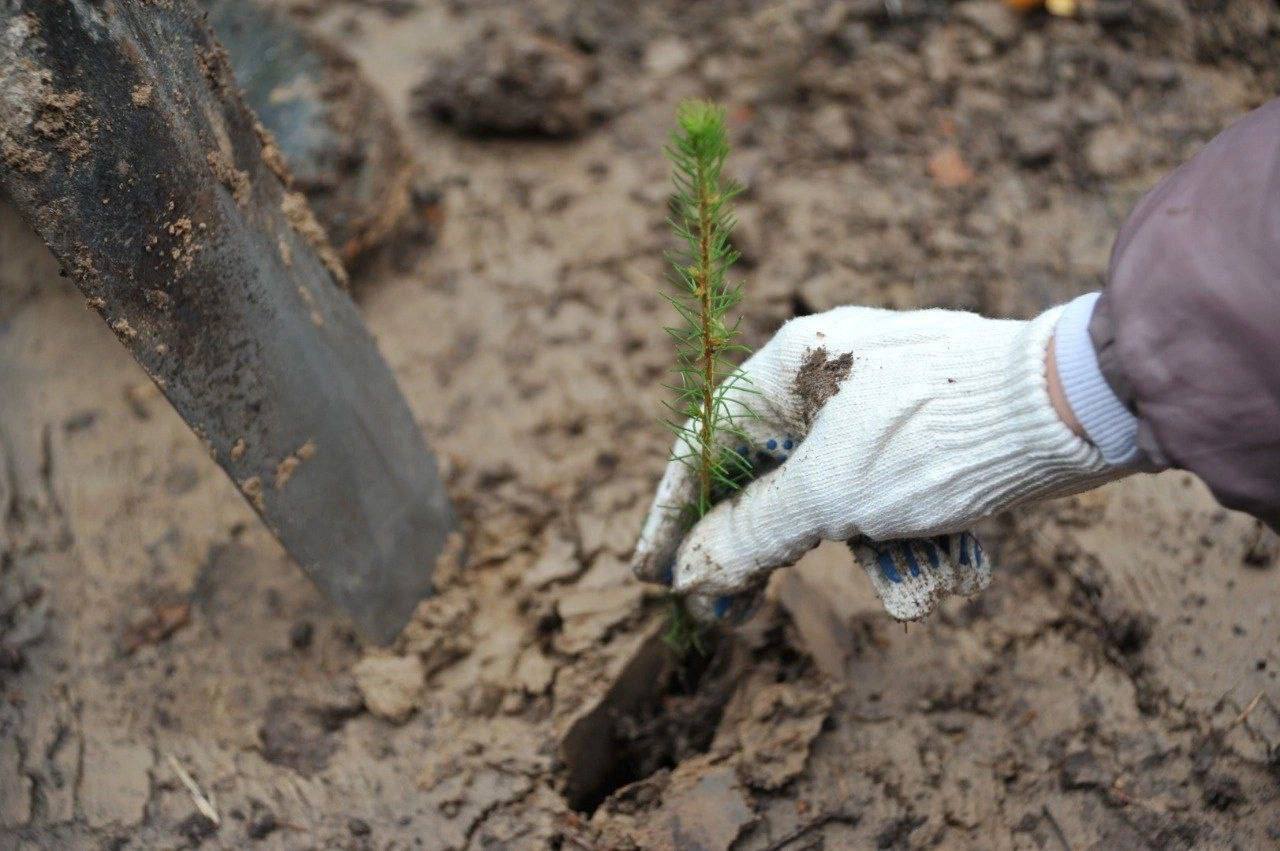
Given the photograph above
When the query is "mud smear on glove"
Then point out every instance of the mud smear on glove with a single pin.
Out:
(819, 379)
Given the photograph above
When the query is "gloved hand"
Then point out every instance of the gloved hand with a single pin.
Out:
(895, 431)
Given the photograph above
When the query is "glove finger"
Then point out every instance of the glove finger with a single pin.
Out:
(973, 568)
(665, 524)
(912, 576)
(760, 444)
(758, 431)
(744, 538)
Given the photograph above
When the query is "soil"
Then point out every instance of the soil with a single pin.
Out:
(1115, 687)
(819, 379)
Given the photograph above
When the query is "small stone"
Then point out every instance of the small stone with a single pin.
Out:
(389, 685)
(896, 833)
(440, 632)
(358, 827)
(295, 734)
(1112, 151)
(831, 127)
(666, 56)
(1159, 72)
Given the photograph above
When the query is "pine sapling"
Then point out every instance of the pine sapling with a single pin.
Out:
(707, 409)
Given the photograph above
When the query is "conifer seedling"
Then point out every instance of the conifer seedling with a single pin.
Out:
(707, 409)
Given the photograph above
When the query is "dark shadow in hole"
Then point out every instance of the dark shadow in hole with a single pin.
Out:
(658, 713)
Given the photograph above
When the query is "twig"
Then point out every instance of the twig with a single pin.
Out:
(203, 804)
(1248, 710)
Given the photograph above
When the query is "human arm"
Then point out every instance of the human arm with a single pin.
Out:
(1187, 331)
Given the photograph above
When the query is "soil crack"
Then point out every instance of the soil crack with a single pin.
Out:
(658, 713)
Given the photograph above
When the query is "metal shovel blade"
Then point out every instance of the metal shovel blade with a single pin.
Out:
(124, 142)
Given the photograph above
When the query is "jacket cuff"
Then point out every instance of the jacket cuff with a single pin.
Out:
(1109, 424)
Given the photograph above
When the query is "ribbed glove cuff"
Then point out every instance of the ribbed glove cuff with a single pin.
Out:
(1010, 441)
(1110, 425)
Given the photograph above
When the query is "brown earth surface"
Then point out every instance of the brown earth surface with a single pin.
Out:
(169, 679)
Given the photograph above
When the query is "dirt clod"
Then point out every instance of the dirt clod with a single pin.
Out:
(781, 721)
(61, 118)
(285, 470)
(512, 84)
(22, 158)
(297, 735)
(252, 488)
(298, 212)
(235, 180)
(389, 685)
(271, 154)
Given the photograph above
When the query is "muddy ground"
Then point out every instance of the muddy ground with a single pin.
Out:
(1114, 688)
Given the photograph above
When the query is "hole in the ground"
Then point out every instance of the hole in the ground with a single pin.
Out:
(658, 713)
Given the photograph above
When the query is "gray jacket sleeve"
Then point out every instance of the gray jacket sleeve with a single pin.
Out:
(1187, 331)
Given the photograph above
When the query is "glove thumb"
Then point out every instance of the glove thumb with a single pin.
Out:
(735, 546)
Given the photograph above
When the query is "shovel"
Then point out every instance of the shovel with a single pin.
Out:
(126, 145)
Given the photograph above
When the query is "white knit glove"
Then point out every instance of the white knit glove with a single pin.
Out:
(895, 431)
